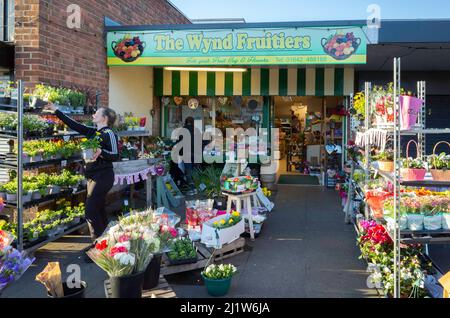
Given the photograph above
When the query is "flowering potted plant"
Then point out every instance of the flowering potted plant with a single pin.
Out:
(439, 166)
(218, 278)
(89, 146)
(385, 160)
(413, 169)
(222, 229)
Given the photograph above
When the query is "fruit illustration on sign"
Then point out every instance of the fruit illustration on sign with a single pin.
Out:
(129, 48)
(340, 46)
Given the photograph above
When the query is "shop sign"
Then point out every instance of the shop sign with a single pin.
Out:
(280, 46)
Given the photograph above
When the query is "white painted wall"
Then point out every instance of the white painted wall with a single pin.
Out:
(131, 90)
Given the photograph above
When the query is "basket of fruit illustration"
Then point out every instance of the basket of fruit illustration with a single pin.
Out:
(340, 46)
(128, 49)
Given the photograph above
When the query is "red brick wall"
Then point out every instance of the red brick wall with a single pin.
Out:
(47, 51)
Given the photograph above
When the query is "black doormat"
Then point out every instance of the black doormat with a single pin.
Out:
(298, 179)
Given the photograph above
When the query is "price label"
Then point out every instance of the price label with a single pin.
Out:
(64, 163)
(66, 138)
(202, 187)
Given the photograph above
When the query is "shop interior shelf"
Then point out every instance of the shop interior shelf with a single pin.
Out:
(47, 198)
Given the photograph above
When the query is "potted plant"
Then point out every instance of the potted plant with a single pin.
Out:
(385, 160)
(218, 278)
(413, 169)
(182, 251)
(89, 146)
(414, 215)
(11, 191)
(2, 192)
(440, 166)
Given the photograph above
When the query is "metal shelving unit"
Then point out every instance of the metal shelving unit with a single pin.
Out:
(404, 236)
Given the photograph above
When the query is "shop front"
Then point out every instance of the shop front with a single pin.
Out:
(294, 77)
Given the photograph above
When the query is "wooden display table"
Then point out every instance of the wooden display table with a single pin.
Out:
(243, 200)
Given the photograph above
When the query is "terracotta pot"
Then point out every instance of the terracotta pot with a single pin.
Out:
(387, 166)
(440, 175)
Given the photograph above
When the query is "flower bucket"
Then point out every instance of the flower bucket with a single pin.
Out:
(415, 222)
(403, 222)
(446, 221)
(217, 287)
(72, 292)
(88, 155)
(151, 276)
(408, 174)
(410, 107)
(432, 223)
(127, 286)
(387, 166)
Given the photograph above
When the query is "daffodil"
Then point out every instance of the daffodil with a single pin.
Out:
(84, 139)
(231, 221)
(235, 213)
(222, 221)
(216, 223)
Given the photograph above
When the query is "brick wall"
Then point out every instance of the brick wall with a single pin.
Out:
(48, 51)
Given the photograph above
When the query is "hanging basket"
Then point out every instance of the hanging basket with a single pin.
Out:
(410, 174)
(438, 174)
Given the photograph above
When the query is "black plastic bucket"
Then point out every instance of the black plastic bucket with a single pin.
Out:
(151, 276)
(127, 286)
(72, 292)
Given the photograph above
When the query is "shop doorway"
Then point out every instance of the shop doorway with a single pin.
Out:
(312, 137)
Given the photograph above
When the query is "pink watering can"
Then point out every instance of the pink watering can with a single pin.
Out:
(410, 107)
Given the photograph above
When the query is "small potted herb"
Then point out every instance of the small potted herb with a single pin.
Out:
(218, 278)
(440, 166)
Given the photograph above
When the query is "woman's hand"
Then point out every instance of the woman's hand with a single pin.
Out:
(50, 106)
(96, 154)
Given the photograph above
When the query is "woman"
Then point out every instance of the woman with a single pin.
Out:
(99, 173)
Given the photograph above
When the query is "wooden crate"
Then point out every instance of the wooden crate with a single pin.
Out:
(205, 257)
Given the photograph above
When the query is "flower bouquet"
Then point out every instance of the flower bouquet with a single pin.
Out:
(124, 252)
(240, 184)
(12, 262)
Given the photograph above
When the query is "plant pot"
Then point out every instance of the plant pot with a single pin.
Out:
(440, 175)
(129, 128)
(26, 159)
(27, 197)
(432, 223)
(37, 158)
(55, 189)
(36, 195)
(151, 276)
(387, 166)
(217, 287)
(83, 183)
(88, 155)
(408, 174)
(72, 292)
(415, 222)
(446, 221)
(3, 195)
(48, 190)
(127, 286)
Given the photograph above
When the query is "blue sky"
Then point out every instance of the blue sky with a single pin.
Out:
(309, 10)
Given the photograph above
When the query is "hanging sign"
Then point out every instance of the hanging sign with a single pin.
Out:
(241, 46)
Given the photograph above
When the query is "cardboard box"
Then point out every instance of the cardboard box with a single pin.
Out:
(216, 238)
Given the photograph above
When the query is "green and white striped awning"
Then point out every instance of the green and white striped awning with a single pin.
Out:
(331, 81)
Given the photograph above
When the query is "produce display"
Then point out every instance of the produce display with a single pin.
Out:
(341, 46)
(129, 48)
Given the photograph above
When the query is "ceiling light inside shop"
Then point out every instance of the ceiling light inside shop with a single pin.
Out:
(206, 69)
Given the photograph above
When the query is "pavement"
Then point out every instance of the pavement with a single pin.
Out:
(305, 249)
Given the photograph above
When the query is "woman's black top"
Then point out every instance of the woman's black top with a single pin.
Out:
(108, 145)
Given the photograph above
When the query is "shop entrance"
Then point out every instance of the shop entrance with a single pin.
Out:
(312, 131)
